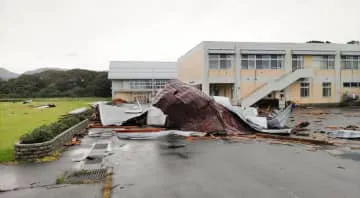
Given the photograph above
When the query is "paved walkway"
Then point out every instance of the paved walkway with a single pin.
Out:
(202, 169)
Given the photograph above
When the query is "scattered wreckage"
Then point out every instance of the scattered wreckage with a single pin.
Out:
(45, 106)
(345, 134)
(182, 110)
(78, 111)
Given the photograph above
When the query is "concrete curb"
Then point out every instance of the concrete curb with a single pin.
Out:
(30, 152)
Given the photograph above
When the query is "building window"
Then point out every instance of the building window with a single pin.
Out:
(277, 61)
(213, 61)
(262, 61)
(297, 62)
(244, 62)
(328, 62)
(304, 89)
(147, 84)
(351, 84)
(350, 62)
(346, 84)
(252, 62)
(326, 89)
(221, 61)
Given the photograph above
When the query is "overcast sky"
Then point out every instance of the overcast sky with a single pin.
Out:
(89, 33)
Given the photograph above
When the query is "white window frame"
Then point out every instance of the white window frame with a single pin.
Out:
(350, 62)
(219, 60)
(305, 85)
(327, 62)
(261, 61)
(147, 83)
(326, 89)
(299, 60)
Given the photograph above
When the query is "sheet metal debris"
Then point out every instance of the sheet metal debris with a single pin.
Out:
(154, 133)
(155, 117)
(136, 109)
(113, 115)
(190, 109)
(346, 134)
(248, 116)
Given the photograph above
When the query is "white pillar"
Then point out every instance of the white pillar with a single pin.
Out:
(237, 65)
(287, 68)
(205, 81)
(338, 76)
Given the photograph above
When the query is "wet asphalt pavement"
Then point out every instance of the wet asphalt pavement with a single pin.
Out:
(320, 118)
(207, 168)
(219, 169)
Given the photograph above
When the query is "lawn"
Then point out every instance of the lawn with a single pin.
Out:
(17, 119)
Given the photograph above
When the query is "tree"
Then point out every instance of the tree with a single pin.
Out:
(51, 83)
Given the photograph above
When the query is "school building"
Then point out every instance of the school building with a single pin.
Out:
(247, 72)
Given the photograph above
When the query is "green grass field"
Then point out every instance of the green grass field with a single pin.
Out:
(17, 119)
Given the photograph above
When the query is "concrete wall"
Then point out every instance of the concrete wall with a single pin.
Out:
(307, 61)
(250, 80)
(350, 76)
(221, 75)
(30, 152)
(191, 65)
(316, 89)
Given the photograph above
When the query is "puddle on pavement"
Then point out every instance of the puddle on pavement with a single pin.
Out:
(350, 155)
(93, 160)
(78, 152)
(101, 146)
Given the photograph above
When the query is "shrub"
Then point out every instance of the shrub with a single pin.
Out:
(40, 134)
(47, 132)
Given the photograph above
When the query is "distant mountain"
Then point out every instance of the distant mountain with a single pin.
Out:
(39, 70)
(54, 83)
(6, 74)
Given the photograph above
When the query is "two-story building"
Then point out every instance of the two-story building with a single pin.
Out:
(140, 80)
(248, 71)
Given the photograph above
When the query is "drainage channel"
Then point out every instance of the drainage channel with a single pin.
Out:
(85, 176)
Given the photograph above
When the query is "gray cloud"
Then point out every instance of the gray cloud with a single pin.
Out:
(159, 29)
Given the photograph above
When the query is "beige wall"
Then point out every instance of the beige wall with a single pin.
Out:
(269, 73)
(221, 73)
(191, 65)
(247, 88)
(316, 93)
(307, 61)
(350, 76)
(248, 83)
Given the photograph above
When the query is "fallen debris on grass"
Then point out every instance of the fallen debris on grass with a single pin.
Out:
(78, 111)
(45, 106)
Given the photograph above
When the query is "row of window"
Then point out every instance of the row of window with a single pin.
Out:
(351, 84)
(147, 84)
(305, 89)
(326, 88)
(262, 61)
(226, 61)
(321, 62)
(221, 61)
(350, 62)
